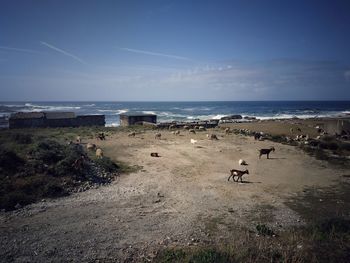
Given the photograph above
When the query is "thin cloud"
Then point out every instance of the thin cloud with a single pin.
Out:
(63, 52)
(154, 53)
(20, 50)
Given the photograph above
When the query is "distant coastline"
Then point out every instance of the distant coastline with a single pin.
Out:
(190, 111)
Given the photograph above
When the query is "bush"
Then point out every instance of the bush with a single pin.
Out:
(22, 138)
(332, 225)
(10, 200)
(344, 146)
(48, 151)
(65, 166)
(10, 162)
(107, 164)
(328, 145)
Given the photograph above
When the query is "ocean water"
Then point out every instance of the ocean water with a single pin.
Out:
(187, 111)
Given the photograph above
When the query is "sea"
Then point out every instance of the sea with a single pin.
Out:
(187, 111)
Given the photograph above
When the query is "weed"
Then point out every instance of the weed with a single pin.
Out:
(264, 230)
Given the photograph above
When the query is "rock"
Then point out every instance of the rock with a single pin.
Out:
(231, 117)
(18, 206)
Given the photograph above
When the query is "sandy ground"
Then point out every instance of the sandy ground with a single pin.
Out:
(180, 198)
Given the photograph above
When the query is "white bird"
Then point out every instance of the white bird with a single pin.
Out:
(193, 141)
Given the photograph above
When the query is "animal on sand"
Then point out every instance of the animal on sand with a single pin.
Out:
(237, 173)
(99, 153)
(212, 137)
(90, 146)
(242, 162)
(132, 134)
(266, 151)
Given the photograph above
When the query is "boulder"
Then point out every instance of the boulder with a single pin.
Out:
(249, 118)
(232, 117)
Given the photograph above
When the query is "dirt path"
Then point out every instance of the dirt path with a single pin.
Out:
(182, 197)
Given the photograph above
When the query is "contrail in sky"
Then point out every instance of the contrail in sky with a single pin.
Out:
(63, 52)
(153, 53)
(20, 50)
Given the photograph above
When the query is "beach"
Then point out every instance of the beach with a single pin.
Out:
(181, 199)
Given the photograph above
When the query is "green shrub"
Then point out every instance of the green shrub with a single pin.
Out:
(328, 145)
(107, 164)
(344, 146)
(11, 199)
(22, 138)
(48, 151)
(10, 162)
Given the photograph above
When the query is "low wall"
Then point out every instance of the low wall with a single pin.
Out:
(84, 120)
(90, 120)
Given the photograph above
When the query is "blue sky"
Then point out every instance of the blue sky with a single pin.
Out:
(174, 50)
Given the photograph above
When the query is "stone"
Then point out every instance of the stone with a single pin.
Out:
(232, 117)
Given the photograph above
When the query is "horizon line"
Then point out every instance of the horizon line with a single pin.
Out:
(307, 100)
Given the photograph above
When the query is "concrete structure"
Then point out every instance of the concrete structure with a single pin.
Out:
(337, 127)
(53, 119)
(136, 118)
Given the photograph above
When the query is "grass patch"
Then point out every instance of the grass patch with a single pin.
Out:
(212, 224)
(325, 237)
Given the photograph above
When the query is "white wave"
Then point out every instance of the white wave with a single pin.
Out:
(206, 117)
(149, 112)
(170, 115)
(34, 107)
(217, 117)
(290, 116)
(201, 108)
(122, 111)
(89, 105)
(115, 111)
(113, 124)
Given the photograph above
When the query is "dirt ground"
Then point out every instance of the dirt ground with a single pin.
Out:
(180, 198)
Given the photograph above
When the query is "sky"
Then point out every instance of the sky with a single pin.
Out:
(174, 50)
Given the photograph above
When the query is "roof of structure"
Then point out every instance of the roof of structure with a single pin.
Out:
(27, 115)
(47, 115)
